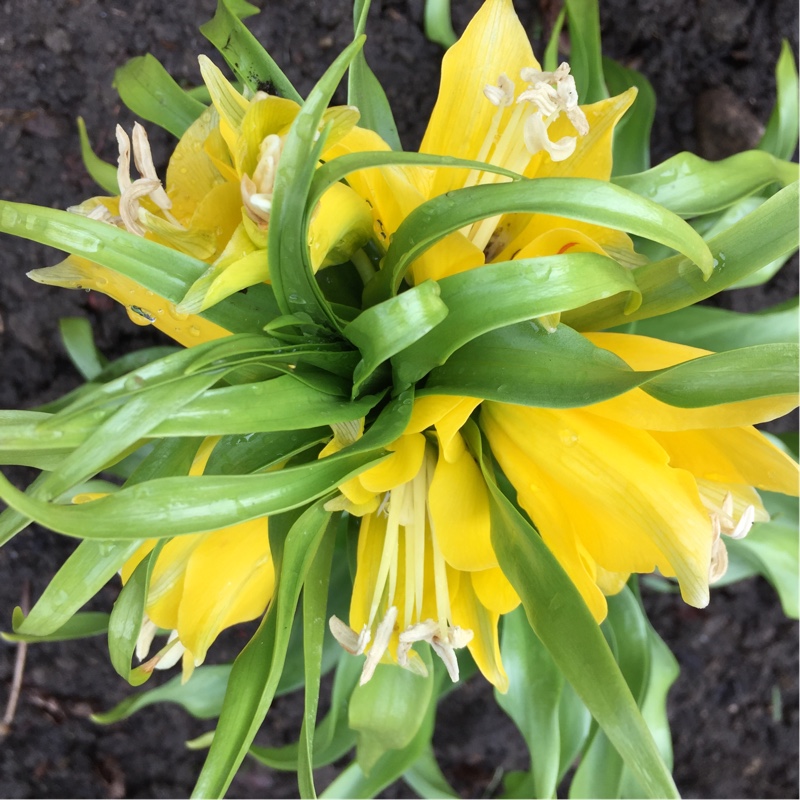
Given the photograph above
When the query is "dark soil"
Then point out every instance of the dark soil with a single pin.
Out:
(734, 709)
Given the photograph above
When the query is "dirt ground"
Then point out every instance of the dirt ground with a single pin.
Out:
(734, 710)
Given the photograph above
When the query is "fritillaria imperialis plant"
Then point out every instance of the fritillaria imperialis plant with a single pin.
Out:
(457, 399)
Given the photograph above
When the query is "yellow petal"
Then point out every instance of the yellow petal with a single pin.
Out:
(494, 590)
(731, 455)
(203, 454)
(611, 583)
(368, 558)
(493, 43)
(130, 565)
(217, 283)
(468, 613)
(430, 409)
(230, 578)
(78, 273)
(639, 409)
(340, 225)
(558, 241)
(459, 505)
(393, 196)
(538, 496)
(191, 173)
(231, 106)
(166, 580)
(404, 463)
(269, 115)
(631, 510)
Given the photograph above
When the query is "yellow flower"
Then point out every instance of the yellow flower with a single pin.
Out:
(215, 206)
(496, 105)
(203, 583)
(426, 570)
(633, 484)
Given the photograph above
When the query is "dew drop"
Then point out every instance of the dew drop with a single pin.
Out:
(194, 331)
(568, 437)
(140, 316)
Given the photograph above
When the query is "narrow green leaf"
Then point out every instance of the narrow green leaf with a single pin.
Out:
(550, 60)
(576, 198)
(766, 234)
(151, 92)
(365, 92)
(690, 186)
(315, 603)
(501, 294)
(201, 696)
(632, 133)
(257, 669)
(780, 137)
(389, 327)
(718, 329)
(533, 699)
(564, 624)
(76, 333)
(102, 173)
(438, 23)
(164, 271)
(525, 365)
(249, 61)
(80, 626)
(583, 19)
(176, 506)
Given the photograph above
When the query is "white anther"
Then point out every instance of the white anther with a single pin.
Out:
(719, 561)
(124, 159)
(744, 524)
(382, 636)
(420, 632)
(129, 203)
(143, 158)
(536, 139)
(354, 643)
(446, 652)
(145, 638)
(502, 94)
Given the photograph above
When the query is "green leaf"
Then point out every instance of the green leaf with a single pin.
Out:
(425, 777)
(438, 23)
(315, 603)
(718, 329)
(564, 624)
(525, 365)
(771, 550)
(207, 502)
(257, 669)
(127, 617)
(766, 234)
(780, 137)
(76, 333)
(79, 626)
(500, 294)
(249, 61)
(583, 19)
(533, 699)
(353, 783)
(150, 92)
(593, 201)
(365, 92)
(632, 133)
(164, 271)
(690, 186)
(201, 696)
(389, 327)
(291, 275)
(102, 173)
(387, 712)
(550, 60)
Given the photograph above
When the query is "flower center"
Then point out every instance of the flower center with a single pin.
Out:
(257, 190)
(409, 532)
(526, 132)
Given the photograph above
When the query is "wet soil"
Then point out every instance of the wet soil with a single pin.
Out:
(734, 710)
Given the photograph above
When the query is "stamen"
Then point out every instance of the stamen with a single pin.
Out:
(354, 643)
(744, 524)
(382, 636)
(145, 639)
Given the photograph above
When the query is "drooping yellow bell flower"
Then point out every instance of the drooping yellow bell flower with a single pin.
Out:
(496, 105)
(215, 206)
(633, 484)
(426, 570)
(203, 583)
